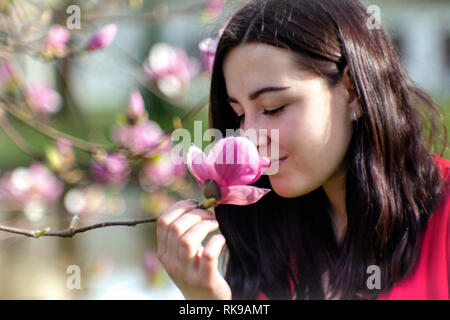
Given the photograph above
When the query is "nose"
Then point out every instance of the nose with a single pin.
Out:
(263, 140)
(259, 137)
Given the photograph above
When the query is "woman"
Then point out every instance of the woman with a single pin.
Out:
(357, 189)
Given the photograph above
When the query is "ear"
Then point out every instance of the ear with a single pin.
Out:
(348, 84)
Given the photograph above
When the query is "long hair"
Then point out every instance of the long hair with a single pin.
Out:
(392, 183)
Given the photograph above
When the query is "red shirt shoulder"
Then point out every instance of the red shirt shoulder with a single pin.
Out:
(430, 278)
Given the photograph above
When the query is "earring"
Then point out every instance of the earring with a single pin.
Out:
(354, 116)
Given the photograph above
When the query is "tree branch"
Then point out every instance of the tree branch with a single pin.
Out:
(53, 133)
(70, 232)
(15, 136)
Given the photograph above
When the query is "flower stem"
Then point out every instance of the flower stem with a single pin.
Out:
(208, 203)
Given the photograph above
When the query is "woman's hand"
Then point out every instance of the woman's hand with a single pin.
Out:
(194, 268)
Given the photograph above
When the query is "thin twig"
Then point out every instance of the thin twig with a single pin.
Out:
(52, 132)
(70, 232)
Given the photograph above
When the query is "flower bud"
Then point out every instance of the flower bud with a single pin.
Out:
(136, 107)
(103, 37)
(75, 221)
(56, 42)
(40, 233)
(212, 190)
(43, 99)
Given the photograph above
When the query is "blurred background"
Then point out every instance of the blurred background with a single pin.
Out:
(102, 81)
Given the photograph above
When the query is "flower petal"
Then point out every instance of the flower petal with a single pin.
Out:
(242, 195)
(264, 164)
(197, 164)
(235, 161)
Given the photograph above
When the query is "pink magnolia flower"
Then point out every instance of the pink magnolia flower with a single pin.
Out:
(43, 99)
(56, 42)
(138, 138)
(33, 184)
(164, 145)
(233, 163)
(136, 106)
(113, 168)
(171, 68)
(103, 37)
(208, 48)
(162, 170)
(45, 184)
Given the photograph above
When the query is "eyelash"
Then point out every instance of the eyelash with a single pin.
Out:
(266, 112)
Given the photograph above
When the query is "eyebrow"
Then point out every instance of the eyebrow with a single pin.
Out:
(259, 92)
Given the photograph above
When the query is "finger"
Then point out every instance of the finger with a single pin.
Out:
(167, 218)
(191, 242)
(180, 226)
(209, 260)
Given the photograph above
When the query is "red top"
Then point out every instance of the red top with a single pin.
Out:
(430, 277)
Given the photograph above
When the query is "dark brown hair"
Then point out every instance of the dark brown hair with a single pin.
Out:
(392, 183)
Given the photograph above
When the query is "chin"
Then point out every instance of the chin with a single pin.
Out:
(288, 190)
(283, 189)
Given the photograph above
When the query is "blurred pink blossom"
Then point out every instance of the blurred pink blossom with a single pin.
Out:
(138, 138)
(171, 68)
(164, 145)
(86, 202)
(112, 168)
(6, 73)
(24, 185)
(64, 146)
(56, 42)
(151, 262)
(43, 99)
(215, 5)
(208, 48)
(153, 268)
(103, 38)
(157, 200)
(163, 171)
(212, 10)
(233, 163)
(136, 106)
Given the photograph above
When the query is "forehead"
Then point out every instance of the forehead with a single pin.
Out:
(253, 61)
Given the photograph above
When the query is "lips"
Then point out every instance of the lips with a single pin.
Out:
(280, 160)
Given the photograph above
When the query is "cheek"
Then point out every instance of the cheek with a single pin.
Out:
(322, 131)
(316, 143)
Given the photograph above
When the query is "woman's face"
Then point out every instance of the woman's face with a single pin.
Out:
(315, 125)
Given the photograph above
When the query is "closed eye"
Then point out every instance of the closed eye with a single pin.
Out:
(274, 111)
(266, 112)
